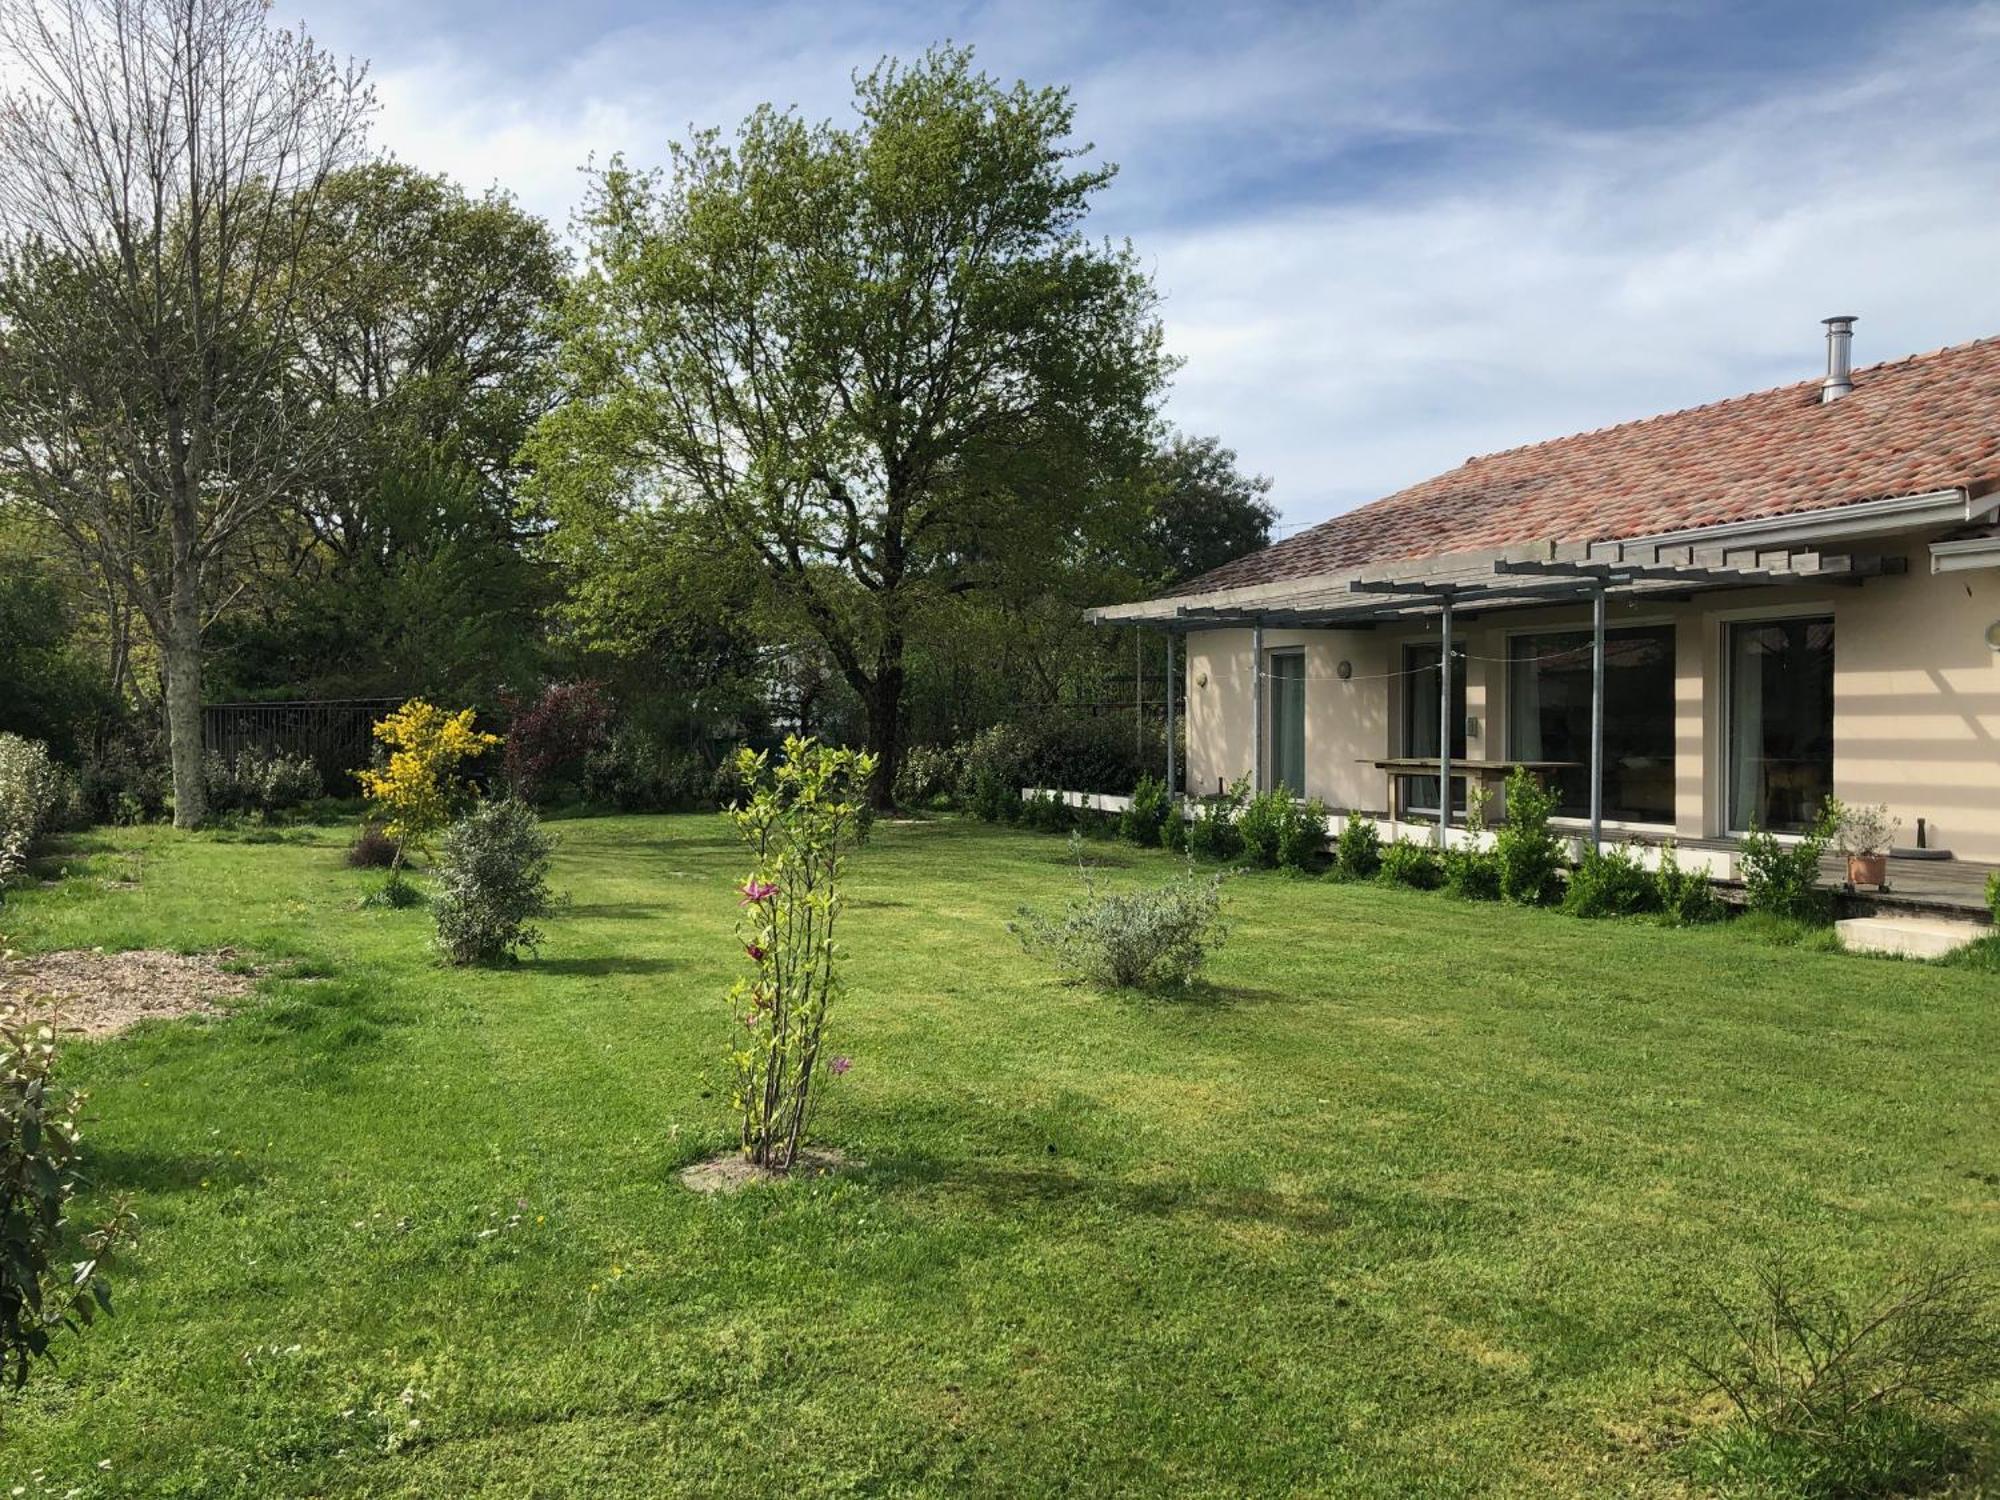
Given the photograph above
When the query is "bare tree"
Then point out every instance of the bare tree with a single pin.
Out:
(161, 165)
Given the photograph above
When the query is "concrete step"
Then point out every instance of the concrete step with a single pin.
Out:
(1913, 937)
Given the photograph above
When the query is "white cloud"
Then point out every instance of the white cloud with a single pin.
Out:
(1352, 335)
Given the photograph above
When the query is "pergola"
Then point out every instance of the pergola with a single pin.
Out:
(1467, 585)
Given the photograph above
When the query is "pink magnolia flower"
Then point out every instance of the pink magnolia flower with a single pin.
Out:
(840, 1065)
(757, 890)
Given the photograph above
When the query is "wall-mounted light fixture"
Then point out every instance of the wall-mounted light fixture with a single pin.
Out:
(1345, 669)
(1201, 679)
(1993, 635)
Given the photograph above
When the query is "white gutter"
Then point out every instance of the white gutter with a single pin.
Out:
(1964, 556)
(1836, 522)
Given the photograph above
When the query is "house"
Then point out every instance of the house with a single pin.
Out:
(1689, 625)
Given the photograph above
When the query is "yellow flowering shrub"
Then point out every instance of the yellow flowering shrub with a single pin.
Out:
(417, 790)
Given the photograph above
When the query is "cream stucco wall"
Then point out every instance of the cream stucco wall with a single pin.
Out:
(1916, 699)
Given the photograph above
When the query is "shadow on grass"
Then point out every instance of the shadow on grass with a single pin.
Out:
(1009, 1188)
(615, 910)
(600, 967)
(115, 1170)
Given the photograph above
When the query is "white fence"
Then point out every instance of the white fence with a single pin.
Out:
(1717, 864)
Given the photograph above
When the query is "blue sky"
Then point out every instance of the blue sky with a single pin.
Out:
(1389, 236)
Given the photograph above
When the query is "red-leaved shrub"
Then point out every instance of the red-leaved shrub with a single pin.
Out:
(552, 736)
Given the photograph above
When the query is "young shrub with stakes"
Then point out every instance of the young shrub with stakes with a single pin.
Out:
(41, 1291)
(800, 821)
(1782, 880)
(1993, 895)
(1155, 937)
(1686, 897)
(492, 881)
(1142, 820)
(420, 788)
(1357, 852)
(1530, 853)
(1174, 829)
(1838, 1398)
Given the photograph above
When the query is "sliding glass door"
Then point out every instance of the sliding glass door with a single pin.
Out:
(1548, 718)
(1287, 727)
(1780, 723)
(1420, 723)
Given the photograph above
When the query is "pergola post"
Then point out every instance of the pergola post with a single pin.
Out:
(1257, 707)
(1597, 718)
(1173, 768)
(1444, 722)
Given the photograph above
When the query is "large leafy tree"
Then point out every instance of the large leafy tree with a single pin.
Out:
(423, 354)
(1205, 511)
(879, 365)
(161, 167)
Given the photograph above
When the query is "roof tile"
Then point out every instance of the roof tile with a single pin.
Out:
(1924, 422)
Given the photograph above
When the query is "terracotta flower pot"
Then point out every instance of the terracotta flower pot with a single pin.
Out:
(1868, 869)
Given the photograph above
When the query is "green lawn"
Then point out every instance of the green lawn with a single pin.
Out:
(1420, 1199)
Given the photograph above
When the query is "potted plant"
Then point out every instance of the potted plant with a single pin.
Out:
(1863, 834)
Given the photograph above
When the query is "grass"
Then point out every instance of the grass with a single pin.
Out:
(1420, 1198)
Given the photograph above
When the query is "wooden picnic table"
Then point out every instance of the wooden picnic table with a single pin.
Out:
(1485, 772)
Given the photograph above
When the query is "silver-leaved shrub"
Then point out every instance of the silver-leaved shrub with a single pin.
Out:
(1151, 937)
(490, 882)
(30, 788)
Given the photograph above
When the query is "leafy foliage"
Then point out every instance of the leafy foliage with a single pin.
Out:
(1783, 879)
(40, 1154)
(1302, 834)
(1530, 853)
(1205, 511)
(1148, 938)
(1859, 829)
(1686, 897)
(1212, 831)
(373, 849)
(928, 776)
(1357, 852)
(802, 343)
(801, 822)
(1837, 1399)
(1993, 895)
(260, 782)
(30, 787)
(554, 736)
(1471, 868)
(420, 787)
(491, 882)
(1610, 883)
(1404, 862)
(1146, 815)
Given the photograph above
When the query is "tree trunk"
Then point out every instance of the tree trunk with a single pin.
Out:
(181, 651)
(884, 704)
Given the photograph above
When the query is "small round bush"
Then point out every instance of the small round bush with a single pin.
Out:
(372, 848)
(491, 883)
(1357, 853)
(1411, 864)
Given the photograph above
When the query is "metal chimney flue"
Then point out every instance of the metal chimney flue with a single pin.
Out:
(1839, 358)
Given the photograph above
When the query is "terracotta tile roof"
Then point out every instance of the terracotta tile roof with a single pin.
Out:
(1928, 422)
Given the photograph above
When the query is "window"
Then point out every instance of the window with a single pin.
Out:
(1548, 718)
(1420, 723)
(1287, 726)
(1780, 723)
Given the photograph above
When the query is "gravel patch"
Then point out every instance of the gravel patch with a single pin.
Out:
(731, 1171)
(101, 994)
